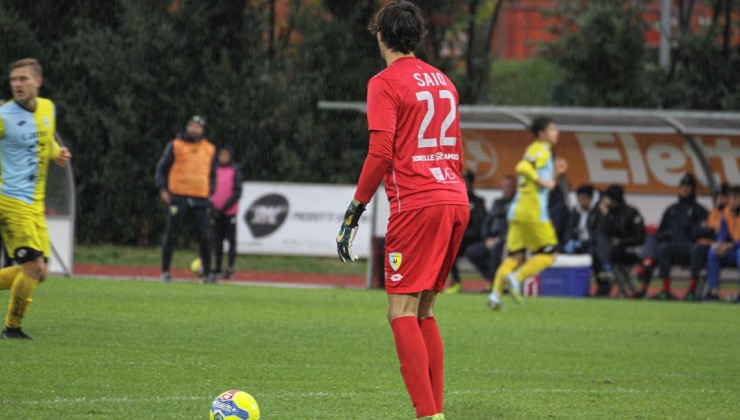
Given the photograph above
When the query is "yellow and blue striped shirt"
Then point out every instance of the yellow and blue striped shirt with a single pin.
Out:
(26, 146)
(531, 200)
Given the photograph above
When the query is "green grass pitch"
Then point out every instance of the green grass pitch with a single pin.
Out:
(149, 350)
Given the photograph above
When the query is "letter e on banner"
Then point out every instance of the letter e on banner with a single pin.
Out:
(598, 149)
(667, 163)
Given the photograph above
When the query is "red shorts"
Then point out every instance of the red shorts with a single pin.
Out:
(421, 246)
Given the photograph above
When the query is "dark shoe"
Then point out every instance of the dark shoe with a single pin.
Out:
(690, 297)
(228, 274)
(664, 296)
(15, 333)
(640, 293)
(166, 277)
(710, 297)
(644, 272)
(210, 279)
(603, 289)
(604, 282)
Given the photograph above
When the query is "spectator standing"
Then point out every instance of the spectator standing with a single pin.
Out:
(487, 253)
(725, 252)
(186, 177)
(614, 228)
(678, 231)
(472, 232)
(578, 237)
(707, 235)
(225, 206)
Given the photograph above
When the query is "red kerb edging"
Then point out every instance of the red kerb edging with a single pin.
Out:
(133, 272)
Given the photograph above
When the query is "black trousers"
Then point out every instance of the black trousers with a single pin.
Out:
(179, 211)
(698, 259)
(485, 260)
(665, 254)
(224, 229)
(604, 254)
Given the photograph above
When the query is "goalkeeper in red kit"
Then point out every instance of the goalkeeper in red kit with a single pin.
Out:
(415, 147)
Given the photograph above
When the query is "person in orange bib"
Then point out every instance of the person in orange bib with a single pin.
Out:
(186, 178)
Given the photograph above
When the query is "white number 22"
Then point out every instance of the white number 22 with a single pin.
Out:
(445, 140)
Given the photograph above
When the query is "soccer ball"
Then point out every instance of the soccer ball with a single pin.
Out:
(234, 405)
(197, 267)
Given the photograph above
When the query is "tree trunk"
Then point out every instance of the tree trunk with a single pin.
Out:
(479, 54)
(726, 35)
(471, 41)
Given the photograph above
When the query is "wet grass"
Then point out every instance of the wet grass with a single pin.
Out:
(149, 350)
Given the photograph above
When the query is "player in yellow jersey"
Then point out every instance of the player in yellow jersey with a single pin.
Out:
(27, 144)
(529, 222)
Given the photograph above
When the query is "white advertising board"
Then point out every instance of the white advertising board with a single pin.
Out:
(296, 219)
(303, 219)
(61, 234)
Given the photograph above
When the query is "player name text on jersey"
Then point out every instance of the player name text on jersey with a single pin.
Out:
(435, 157)
(430, 79)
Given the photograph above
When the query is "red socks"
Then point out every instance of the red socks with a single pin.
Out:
(692, 285)
(666, 284)
(412, 353)
(435, 350)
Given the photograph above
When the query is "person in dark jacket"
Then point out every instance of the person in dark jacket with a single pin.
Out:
(678, 231)
(557, 202)
(614, 228)
(487, 253)
(225, 205)
(472, 232)
(577, 238)
(186, 179)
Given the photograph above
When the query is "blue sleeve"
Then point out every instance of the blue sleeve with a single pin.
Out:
(724, 232)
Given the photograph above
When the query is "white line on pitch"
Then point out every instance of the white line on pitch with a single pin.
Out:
(324, 394)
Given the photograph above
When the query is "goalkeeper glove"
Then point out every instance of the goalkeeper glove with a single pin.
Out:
(347, 232)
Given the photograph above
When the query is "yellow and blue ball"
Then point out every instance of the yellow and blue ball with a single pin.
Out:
(234, 405)
(197, 267)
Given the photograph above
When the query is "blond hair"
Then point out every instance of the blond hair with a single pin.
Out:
(28, 62)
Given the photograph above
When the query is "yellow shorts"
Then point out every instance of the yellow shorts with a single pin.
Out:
(534, 236)
(23, 229)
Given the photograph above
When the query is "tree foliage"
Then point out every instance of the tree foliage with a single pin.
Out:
(127, 74)
(127, 78)
(601, 49)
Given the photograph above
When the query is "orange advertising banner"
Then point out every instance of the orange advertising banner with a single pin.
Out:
(642, 163)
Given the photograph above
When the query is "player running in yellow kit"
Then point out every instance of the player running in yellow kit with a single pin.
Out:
(530, 228)
(27, 128)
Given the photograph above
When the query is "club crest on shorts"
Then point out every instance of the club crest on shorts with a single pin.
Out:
(395, 259)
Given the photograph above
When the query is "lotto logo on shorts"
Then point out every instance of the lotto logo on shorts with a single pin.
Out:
(395, 259)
